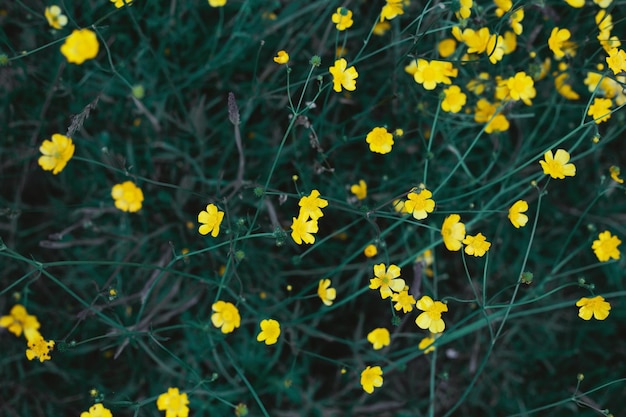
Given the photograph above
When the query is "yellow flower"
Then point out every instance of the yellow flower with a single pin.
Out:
(302, 229)
(56, 19)
(386, 279)
(210, 220)
(431, 73)
(495, 48)
(465, 9)
(39, 348)
(476, 245)
(97, 410)
(343, 76)
(19, 321)
(502, 6)
(446, 47)
(371, 378)
(342, 18)
(600, 110)
(226, 316)
(616, 60)
(127, 196)
(516, 21)
(359, 190)
(510, 42)
(370, 251)
(476, 41)
(605, 247)
(379, 338)
(454, 99)
(576, 3)
(325, 292)
(173, 403)
(380, 140)
(392, 9)
(270, 330)
(453, 232)
(522, 87)
(557, 166)
(217, 3)
(404, 301)
(381, 28)
(596, 307)
(55, 153)
(603, 3)
(615, 171)
(565, 89)
(419, 204)
(427, 344)
(80, 46)
(431, 317)
(311, 205)
(281, 57)
(516, 214)
(121, 3)
(557, 41)
(486, 113)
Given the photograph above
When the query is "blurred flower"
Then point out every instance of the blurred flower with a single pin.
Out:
(516, 216)
(557, 166)
(386, 279)
(173, 403)
(56, 19)
(270, 330)
(342, 18)
(281, 57)
(465, 9)
(379, 338)
(615, 171)
(380, 140)
(522, 87)
(600, 109)
(431, 317)
(127, 196)
(404, 301)
(605, 247)
(476, 245)
(596, 307)
(325, 292)
(359, 190)
(39, 348)
(557, 41)
(19, 321)
(564, 89)
(616, 60)
(603, 3)
(302, 229)
(80, 46)
(311, 205)
(476, 40)
(502, 6)
(453, 232)
(427, 344)
(371, 378)
(210, 220)
(392, 9)
(226, 316)
(381, 28)
(343, 76)
(370, 251)
(516, 21)
(121, 3)
(485, 112)
(419, 204)
(454, 99)
(576, 3)
(97, 410)
(446, 47)
(217, 3)
(55, 153)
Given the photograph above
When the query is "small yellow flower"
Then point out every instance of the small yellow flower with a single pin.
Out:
(56, 19)
(403, 301)
(281, 57)
(325, 292)
(381, 28)
(516, 21)
(516, 214)
(431, 73)
(596, 307)
(454, 99)
(226, 316)
(127, 196)
(210, 220)
(431, 317)
(476, 40)
(359, 190)
(380, 140)
(419, 204)
(386, 279)
(486, 113)
(465, 9)
(557, 166)
(427, 344)
(522, 87)
(217, 3)
(121, 3)
(558, 41)
(19, 321)
(446, 47)
(270, 331)
(605, 247)
(97, 410)
(39, 348)
(371, 378)
(565, 89)
(55, 153)
(600, 109)
(342, 18)
(476, 245)
(453, 232)
(616, 60)
(615, 171)
(370, 251)
(379, 338)
(80, 46)
(302, 229)
(173, 403)
(391, 9)
(576, 3)
(343, 76)
(311, 205)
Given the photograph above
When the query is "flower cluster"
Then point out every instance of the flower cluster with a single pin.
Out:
(20, 322)
(305, 225)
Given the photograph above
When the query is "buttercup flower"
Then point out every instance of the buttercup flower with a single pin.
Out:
(39, 348)
(427, 344)
(522, 87)
(311, 205)
(600, 109)
(325, 292)
(387, 280)
(371, 378)
(392, 9)
(557, 41)
(515, 21)
(56, 19)
(605, 247)
(486, 113)
(431, 73)
(217, 3)
(80, 46)
(431, 317)
(446, 47)
(596, 307)
(302, 229)
(454, 99)
(615, 171)
(343, 76)
(404, 301)
(516, 214)
(453, 232)
(121, 3)
(97, 410)
(380, 140)
(476, 245)
(19, 321)
(226, 316)
(210, 220)
(558, 167)
(270, 330)
(281, 57)
(359, 190)
(370, 251)
(342, 18)
(616, 60)
(419, 204)
(173, 403)
(127, 196)
(55, 153)
(379, 338)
